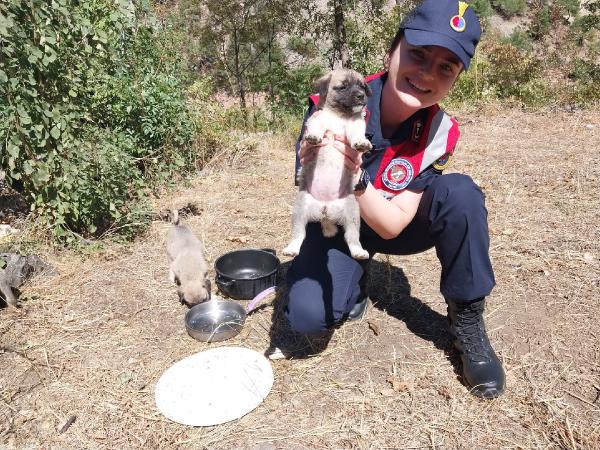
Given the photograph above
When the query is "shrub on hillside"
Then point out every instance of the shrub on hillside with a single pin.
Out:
(293, 86)
(520, 39)
(91, 110)
(540, 24)
(509, 8)
(586, 74)
(483, 8)
(515, 74)
(501, 71)
(98, 177)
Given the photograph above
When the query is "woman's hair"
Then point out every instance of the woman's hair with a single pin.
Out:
(396, 40)
(393, 45)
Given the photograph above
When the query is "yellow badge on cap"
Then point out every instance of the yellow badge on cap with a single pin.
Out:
(458, 22)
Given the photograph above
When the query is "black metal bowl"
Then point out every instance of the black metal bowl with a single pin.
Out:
(242, 274)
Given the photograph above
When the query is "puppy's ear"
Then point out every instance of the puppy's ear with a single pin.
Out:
(322, 86)
(367, 88)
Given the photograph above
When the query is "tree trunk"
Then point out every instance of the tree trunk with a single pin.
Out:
(238, 75)
(341, 53)
(271, 89)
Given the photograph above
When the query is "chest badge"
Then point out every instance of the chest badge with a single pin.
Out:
(398, 173)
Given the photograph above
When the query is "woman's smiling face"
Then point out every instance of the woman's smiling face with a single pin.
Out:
(418, 76)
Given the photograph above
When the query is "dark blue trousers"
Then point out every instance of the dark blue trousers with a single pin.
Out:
(324, 280)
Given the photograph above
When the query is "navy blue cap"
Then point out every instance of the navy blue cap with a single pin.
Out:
(451, 24)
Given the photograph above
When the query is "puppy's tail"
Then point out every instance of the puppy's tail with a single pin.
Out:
(174, 216)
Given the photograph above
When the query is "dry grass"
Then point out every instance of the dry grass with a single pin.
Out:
(91, 342)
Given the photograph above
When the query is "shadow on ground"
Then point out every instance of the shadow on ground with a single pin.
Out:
(389, 291)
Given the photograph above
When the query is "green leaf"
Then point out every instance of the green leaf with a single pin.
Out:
(5, 23)
(41, 175)
(13, 150)
(55, 132)
(3, 77)
(27, 168)
(49, 58)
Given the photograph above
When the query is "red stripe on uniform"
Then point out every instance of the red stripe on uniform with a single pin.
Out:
(453, 136)
(408, 150)
(369, 78)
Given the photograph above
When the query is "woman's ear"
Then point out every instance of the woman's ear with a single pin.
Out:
(321, 86)
(386, 61)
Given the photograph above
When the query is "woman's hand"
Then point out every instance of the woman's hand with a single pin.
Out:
(352, 158)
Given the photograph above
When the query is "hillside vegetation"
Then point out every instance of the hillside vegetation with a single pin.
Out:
(105, 103)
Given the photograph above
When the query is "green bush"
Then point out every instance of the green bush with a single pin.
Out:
(510, 69)
(304, 47)
(98, 177)
(509, 8)
(540, 23)
(369, 38)
(149, 108)
(569, 7)
(471, 86)
(91, 110)
(520, 39)
(293, 86)
(483, 8)
(501, 71)
(586, 74)
(585, 28)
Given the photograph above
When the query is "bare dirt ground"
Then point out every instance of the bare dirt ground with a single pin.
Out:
(91, 343)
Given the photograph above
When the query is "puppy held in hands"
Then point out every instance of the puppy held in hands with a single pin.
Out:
(187, 266)
(326, 184)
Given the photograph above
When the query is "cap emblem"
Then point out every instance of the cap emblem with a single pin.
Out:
(458, 23)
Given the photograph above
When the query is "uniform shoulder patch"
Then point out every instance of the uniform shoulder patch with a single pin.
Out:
(443, 162)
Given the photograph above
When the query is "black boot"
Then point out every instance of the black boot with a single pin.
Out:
(481, 368)
(360, 308)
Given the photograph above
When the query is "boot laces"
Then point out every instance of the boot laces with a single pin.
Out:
(470, 331)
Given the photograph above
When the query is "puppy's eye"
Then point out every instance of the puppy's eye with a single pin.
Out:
(177, 282)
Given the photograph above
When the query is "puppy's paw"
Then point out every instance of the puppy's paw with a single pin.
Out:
(291, 250)
(358, 252)
(313, 138)
(362, 145)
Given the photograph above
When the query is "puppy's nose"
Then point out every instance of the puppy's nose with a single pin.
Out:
(359, 95)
